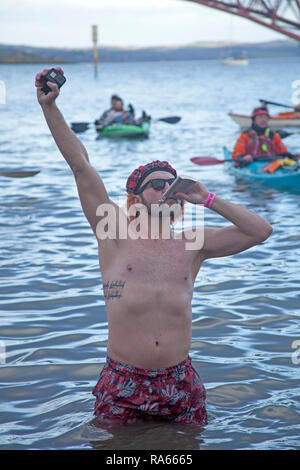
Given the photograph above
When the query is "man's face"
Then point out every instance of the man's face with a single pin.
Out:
(262, 120)
(152, 196)
(117, 105)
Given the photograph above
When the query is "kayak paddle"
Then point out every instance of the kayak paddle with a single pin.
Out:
(283, 134)
(79, 127)
(208, 160)
(216, 161)
(276, 104)
(18, 174)
(170, 119)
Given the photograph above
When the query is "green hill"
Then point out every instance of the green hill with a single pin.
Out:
(10, 54)
(26, 58)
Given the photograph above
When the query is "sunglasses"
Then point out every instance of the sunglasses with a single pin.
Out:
(157, 183)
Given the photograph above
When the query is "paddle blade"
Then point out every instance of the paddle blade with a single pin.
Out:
(19, 174)
(207, 161)
(283, 134)
(170, 119)
(78, 127)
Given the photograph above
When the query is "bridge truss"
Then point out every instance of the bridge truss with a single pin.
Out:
(282, 16)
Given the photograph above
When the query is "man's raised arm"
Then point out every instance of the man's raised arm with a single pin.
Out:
(90, 186)
(69, 145)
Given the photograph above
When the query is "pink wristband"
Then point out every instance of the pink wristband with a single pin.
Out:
(209, 200)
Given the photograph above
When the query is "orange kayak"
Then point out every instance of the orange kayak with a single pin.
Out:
(278, 121)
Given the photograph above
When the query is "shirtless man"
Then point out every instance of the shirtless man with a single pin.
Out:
(148, 374)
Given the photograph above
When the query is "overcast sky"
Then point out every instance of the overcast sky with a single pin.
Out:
(67, 23)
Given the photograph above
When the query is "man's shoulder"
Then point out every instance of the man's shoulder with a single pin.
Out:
(275, 136)
(105, 113)
(244, 135)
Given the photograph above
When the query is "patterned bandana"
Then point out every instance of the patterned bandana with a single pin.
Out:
(139, 174)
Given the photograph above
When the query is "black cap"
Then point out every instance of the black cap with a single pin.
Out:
(116, 97)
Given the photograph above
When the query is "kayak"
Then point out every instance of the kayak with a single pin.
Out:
(286, 177)
(128, 131)
(278, 121)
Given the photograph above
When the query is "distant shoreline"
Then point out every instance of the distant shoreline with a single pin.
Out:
(10, 54)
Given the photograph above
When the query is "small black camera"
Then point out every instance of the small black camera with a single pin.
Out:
(52, 76)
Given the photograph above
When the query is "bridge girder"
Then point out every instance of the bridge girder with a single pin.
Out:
(282, 16)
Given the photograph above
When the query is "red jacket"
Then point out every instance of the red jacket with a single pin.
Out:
(250, 143)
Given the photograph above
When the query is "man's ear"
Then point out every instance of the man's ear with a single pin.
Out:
(133, 210)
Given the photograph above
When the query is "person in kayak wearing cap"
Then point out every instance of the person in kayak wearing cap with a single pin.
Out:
(148, 284)
(116, 114)
(259, 140)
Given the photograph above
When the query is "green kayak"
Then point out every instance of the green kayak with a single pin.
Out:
(128, 131)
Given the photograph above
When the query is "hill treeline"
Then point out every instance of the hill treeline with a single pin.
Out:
(201, 51)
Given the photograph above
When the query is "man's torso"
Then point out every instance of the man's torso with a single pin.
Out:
(148, 288)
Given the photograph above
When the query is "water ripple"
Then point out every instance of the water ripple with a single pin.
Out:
(52, 311)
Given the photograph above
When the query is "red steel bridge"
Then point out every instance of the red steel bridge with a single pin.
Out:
(282, 16)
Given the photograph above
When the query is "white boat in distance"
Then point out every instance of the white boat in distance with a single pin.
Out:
(233, 61)
(275, 122)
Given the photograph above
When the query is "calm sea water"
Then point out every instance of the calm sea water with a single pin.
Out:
(53, 326)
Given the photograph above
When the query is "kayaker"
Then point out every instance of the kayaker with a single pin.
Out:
(148, 283)
(258, 140)
(116, 114)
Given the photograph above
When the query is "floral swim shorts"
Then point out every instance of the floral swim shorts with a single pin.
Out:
(128, 394)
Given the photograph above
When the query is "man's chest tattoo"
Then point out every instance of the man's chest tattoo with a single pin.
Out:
(113, 289)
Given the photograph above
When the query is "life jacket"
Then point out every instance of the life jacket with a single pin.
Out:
(261, 144)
